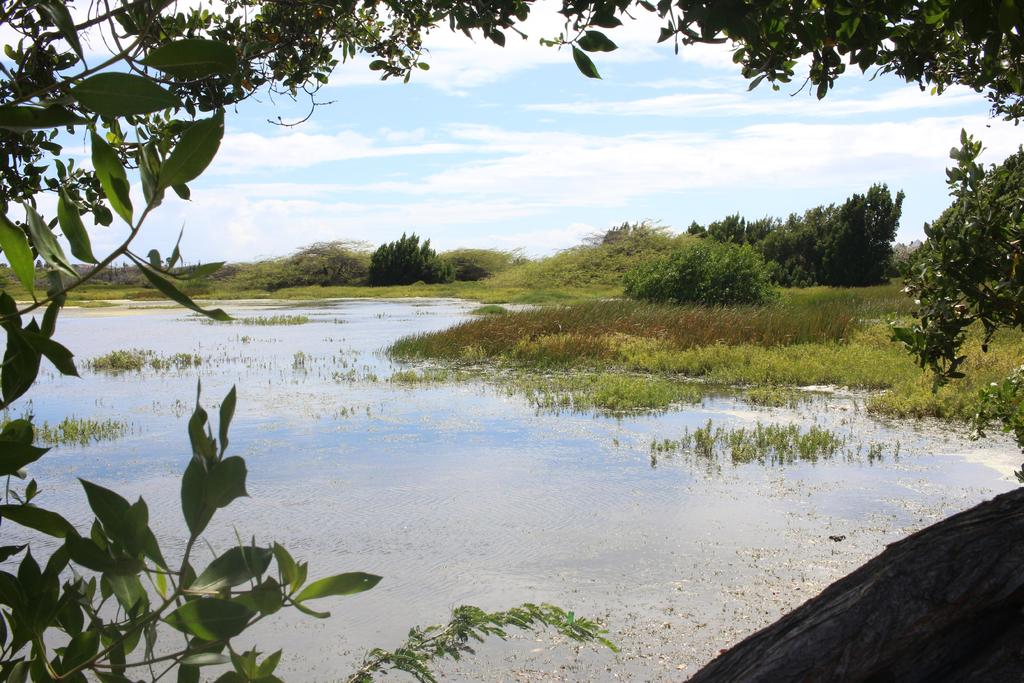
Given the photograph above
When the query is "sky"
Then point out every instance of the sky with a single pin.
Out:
(514, 148)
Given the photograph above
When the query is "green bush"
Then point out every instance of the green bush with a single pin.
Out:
(323, 264)
(406, 261)
(479, 264)
(712, 273)
(600, 261)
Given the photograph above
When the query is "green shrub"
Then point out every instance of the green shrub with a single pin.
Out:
(323, 264)
(711, 273)
(600, 262)
(406, 261)
(478, 264)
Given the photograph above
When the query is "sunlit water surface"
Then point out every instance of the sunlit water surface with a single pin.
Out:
(462, 493)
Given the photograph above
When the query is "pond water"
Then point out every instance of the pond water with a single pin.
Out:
(464, 493)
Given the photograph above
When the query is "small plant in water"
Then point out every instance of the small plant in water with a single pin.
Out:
(274, 320)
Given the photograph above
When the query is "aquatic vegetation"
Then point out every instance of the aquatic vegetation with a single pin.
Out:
(811, 337)
(136, 360)
(72, 431)
(610, 392)
(80, 431)
(768, 444)
(426, 376)
(267, 320)
(489, 309)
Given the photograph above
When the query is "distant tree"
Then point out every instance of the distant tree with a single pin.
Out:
(845, 246)
(478, 264)
(696, 230)
(730, 229)
(793, 250)
(857, 246)
(406, 261)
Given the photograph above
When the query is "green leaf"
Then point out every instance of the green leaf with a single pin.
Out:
(81, 649)
(49, 523)
(286, 565)
(234, 567)
(195, 150)
(210, 618)
(204, 492)
(73, 228)
(120, 94)
(61, 18)
(57, 354)
(15, 455)
(311, 612)
(340, 584)
(188, 673)
(193, 58)
(269, 663)
(9, 551)
(584, 64)
(595, 41)
(227, 481)
(193, 497)
(128, 590)
(112, 176)
(205, 659)
(16, 248)
(171, 292)
(46, 243)
(266, 598)
(125, 523)
(21, 119)
(227, 412)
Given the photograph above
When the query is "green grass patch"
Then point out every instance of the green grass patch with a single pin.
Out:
(818, 336)
(136, 360)
(766, 444)
(603, 391)
(267, 320)
(489, 309)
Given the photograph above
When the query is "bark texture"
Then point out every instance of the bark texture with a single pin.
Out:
(945, 604)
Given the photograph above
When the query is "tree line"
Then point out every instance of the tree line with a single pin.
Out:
(846, 245)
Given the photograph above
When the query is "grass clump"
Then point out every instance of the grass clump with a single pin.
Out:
(767, 444)
(607, 392)
(489, 309)
(80, 431)
(136, 360)
(268, 320)
(72, 431)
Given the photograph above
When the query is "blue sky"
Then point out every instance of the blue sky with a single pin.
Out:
(513, 148)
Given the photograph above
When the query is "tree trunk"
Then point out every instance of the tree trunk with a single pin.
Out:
(945, 604)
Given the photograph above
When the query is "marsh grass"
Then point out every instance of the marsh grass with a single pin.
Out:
(268, 320)
(74, 431)
(597, 331)
(604, 391)
(489, 309)
(135, 360)
(80, 431)
(767, 444)
(818, 336)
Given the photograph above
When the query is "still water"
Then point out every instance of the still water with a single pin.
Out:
(466, 494)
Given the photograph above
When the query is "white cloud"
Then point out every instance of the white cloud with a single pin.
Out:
(516, 179)
(246, 152)
(736, 104)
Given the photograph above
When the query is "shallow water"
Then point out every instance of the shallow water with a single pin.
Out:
(461, 493)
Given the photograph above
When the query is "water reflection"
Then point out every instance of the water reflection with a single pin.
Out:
(466, 493)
